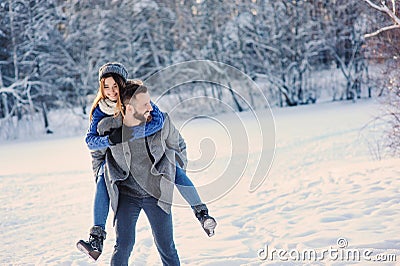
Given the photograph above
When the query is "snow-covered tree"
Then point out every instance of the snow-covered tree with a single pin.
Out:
(280, 42)
(51, 50)
(383, 40)
(391, 9)
(24, 26)
(342, 23)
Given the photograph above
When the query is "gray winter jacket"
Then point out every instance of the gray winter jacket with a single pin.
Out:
(166, 146)
(98, 157)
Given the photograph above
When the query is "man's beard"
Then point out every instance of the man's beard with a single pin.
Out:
(141, 117)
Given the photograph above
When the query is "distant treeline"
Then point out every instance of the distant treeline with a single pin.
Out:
(50, 50)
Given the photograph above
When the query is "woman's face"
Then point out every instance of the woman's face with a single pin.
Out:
(111, 89)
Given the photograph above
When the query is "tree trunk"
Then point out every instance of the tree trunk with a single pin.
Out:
(6, 111)
(235, 100)
(15, 58)
(46, 120)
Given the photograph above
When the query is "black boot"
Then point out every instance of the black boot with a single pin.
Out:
(94, 246)
(207, 222)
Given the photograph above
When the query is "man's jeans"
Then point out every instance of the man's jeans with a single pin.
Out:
(125, 224)
(102, 200)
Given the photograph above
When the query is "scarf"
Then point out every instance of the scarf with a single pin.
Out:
(107, 106)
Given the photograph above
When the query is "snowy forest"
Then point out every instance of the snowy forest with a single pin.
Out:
(298, 52)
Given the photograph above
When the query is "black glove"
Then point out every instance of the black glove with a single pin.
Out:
(119, 135)
(115, 136)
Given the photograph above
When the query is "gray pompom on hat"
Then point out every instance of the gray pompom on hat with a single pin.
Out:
(113, 67)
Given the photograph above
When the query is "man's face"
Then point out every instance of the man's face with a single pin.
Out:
(141, 106)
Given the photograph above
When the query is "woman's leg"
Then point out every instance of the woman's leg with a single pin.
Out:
(101, 203)
(186, 188)
(94, 247)
(189, 193)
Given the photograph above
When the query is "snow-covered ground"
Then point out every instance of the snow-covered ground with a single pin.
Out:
(324, 197)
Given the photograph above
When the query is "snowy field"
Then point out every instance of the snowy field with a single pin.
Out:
(324, 197)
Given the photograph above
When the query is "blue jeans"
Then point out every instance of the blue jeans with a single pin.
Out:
(102, 200)
(125, 227)
(101, 203)
(186, 188)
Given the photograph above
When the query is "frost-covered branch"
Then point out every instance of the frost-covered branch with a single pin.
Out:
(391, 12)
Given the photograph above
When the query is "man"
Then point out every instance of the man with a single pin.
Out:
(140, 173)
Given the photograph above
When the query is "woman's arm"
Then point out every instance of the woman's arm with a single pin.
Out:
(93, 140)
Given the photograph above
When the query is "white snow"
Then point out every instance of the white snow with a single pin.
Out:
(323, 185)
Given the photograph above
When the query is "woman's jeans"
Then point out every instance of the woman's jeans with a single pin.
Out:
(125, 227)
(102, 200)
(186, 188)
(101, 203)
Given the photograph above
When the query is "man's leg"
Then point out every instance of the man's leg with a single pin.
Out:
(125, 225)
(161, 226)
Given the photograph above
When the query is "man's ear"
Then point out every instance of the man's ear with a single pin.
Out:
(129, 108)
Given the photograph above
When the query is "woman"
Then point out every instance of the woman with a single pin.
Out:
(112, 79)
